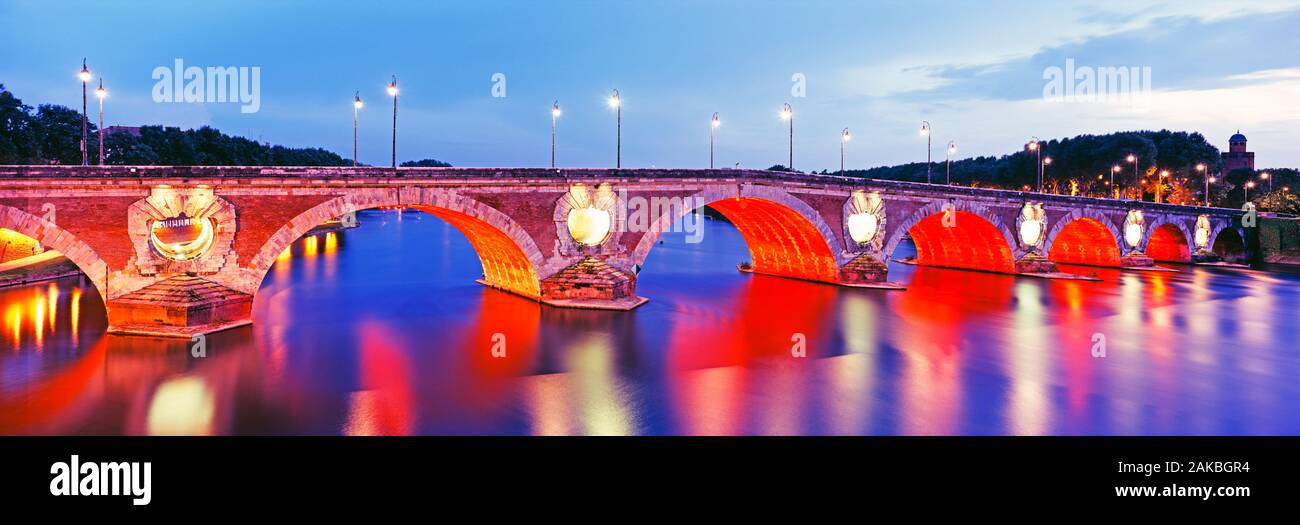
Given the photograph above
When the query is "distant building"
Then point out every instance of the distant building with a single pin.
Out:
(133, 131)
(1237, 157)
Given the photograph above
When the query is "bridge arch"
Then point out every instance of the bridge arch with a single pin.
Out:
(1084, 237)
(978, 240)
(509, 256)
(785, 235)
(1229, 244)
(54, 238)
(1168, 241)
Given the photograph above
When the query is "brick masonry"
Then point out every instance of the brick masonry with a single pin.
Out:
(515, 218)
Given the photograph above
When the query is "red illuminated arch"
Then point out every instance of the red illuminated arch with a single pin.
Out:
(971, 243)
(785, 236)
(509, 256)
(781, 241)
(1085, 240)
(1168, 243)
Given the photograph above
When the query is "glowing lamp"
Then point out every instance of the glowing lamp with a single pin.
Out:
(589, 226)
(1133, 235)
(101, 92)
(862, 227)
(1202, 238)
(182, 238)
(84, 75)
(356, 102)
(1030, 232)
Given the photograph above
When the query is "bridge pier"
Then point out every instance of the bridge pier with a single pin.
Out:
(591, 284)
(179, 306)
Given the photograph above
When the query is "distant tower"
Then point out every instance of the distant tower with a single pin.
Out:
(1237, 157)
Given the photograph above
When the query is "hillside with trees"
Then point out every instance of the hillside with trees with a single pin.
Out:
(51, 134)
(1083, 165)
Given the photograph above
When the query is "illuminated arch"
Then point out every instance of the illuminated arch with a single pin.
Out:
(1084, 237)
(54, 238)
(978, 240)
(785, 235)
(1168, 242)
(509, 256)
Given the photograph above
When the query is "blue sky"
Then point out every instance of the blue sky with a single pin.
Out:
(973, 69)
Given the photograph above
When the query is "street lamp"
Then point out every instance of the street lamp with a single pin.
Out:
(1160, 185)
(1033, 146)
(844, 139)
(1047, 161)
(1266, 177)
(555, 114)
(952, 148)
(1200, 167)
(392, 91)
(100, 93)
(1113, 170)
(356, 109)
(713, 126)
(1245, 190)
(1132, 159)
(84, 75)
(787, 114)
(616, 102)
(925, 132)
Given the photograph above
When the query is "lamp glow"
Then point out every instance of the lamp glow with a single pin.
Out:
(589, 226)
(1030, 232)
(863, 227)
(1133, 234)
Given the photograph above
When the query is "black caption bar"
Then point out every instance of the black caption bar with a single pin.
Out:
(155, 475)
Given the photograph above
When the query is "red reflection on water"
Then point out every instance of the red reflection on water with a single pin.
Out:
(55, 395)
(502, 345)
(712, 353)
(386, 402)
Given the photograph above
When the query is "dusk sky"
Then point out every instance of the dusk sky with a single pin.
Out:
(975, 70)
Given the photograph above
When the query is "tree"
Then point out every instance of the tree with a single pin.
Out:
(425, 163)
(18, 141)
(58, 134)
(126, 149)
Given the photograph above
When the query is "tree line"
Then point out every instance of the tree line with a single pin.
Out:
(51, 134)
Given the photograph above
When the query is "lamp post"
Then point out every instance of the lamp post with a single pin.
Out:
(1200, 168)
(100, 93)
(356, 109)
(1038, 170)
(1047, 161)
(713, 126)
(84, 75)
(844, 139)
(1132, 159)
(1114, 189)
(787, 114)
(616, 102)
(1268, 178)
(392, 91)
(952, 148)
(925, 132)
(555, 114)
(1160, 185)
(1245, 190)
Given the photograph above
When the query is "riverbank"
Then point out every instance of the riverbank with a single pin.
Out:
(40, 267)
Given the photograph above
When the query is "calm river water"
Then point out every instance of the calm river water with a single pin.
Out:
(382, 330)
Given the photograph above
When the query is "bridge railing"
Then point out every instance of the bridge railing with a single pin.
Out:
(726, 174)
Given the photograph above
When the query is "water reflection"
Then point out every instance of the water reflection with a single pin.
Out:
(381, 331)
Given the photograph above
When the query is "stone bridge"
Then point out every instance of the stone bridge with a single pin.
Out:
(182, 250)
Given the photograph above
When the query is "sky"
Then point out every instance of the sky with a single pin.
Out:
(979, 72)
